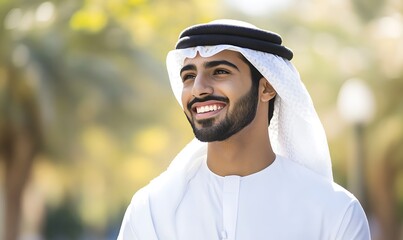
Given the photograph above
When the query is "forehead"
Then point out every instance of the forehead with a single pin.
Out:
(228, 55)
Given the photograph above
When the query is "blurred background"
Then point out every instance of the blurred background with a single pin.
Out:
(87, 116)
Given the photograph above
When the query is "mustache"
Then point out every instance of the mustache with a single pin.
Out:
(205, 99)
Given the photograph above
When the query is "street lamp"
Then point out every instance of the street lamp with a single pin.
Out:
(356, 105)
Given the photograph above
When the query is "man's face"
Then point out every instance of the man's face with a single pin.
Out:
(218, 97)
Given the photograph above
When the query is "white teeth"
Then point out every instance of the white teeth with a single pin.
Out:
(209, 108)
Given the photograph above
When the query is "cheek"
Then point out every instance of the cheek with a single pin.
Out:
(234, 92)
(185, 98)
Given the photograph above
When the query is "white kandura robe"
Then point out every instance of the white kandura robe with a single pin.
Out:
(283, 201)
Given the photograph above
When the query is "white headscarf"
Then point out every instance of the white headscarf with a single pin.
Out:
(296, 132)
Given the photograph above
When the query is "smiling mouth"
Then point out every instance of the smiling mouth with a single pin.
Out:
(208, 108)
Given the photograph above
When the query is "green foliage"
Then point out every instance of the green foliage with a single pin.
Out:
(368, 9)
(63, 222)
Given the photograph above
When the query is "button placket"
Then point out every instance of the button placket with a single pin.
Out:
(230, 206)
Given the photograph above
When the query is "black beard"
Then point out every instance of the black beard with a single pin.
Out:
(243, 114)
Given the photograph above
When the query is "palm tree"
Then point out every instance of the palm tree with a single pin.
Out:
(49, 76)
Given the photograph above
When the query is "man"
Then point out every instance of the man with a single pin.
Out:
(242, 179)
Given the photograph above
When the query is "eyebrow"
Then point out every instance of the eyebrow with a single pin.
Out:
(219, 62)
(210, 64)
(187, 67)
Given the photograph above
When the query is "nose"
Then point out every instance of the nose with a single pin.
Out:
(202, 87)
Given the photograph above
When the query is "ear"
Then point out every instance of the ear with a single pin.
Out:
(266, 90)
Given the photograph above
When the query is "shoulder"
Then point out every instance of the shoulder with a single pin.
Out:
(148, 204)
(152, 207)
(137, 216)
(354, 224)
(312, 189)
(311, 182)
(335, 206)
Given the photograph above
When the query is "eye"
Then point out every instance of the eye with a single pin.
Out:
(221, 71)
(187, 76)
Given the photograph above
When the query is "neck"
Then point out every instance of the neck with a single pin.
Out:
(245, 153)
